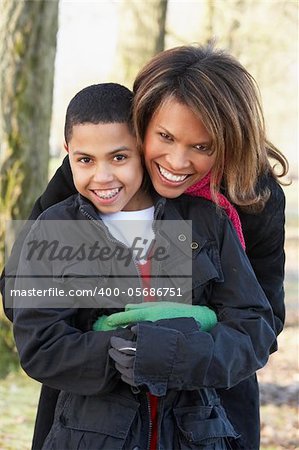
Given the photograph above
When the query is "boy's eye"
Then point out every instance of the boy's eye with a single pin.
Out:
(119, 157)
(85, 160)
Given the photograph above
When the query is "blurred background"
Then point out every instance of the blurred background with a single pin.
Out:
(49, 50)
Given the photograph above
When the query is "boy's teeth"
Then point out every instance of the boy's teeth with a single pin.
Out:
(107, 193)
(169, 176)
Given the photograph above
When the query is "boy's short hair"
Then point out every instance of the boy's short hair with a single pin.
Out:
(99, 103)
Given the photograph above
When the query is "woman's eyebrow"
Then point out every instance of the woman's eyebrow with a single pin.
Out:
(165, 130)
(199, 141)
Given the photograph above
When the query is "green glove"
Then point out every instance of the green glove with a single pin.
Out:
(154, 311)
(101, 324)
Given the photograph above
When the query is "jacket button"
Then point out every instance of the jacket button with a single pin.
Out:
(136, 448)
(181, 237)
(194, 245)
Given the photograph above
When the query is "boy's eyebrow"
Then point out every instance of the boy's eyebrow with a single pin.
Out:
(116, 150)
(78, 152)
(121, 149)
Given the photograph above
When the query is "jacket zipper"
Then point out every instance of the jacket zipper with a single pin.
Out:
(159, 421)
(115, 241)
(139, 276)
(150, 427)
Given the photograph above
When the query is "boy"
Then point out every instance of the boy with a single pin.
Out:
(96, 409)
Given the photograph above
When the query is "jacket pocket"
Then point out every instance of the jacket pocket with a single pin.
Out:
(93, 423)
(206, 265)
(85, 285)
(203, 427)
(81, 272)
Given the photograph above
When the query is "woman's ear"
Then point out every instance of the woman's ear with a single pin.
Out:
(66, 147)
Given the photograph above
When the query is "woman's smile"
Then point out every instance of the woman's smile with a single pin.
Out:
(169, 176)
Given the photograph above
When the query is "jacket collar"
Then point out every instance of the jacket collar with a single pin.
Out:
(88, 209)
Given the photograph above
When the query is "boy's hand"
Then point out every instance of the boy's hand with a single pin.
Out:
(123, 353)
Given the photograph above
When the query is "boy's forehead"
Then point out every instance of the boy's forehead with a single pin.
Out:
(102, 125)
(103, 136)
(110, 129)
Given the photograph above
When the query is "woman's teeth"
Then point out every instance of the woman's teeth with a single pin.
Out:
(104, 194)
(169, 176)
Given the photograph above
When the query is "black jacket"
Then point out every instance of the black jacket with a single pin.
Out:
(264, 237)
(54, 351)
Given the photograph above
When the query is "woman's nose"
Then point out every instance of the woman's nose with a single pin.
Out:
(177, 159)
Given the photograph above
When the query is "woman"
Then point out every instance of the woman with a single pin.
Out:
(199, 122)
(227, 154)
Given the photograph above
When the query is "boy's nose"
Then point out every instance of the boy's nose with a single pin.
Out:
(102, 175)
(177, 159)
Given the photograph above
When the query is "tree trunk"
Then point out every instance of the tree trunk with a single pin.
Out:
(210, 15)
(27, 51)
(141, 35)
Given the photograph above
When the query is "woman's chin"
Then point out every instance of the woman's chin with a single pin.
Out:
(169, 191)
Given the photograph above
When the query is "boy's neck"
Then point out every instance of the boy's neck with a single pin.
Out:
(144, 201)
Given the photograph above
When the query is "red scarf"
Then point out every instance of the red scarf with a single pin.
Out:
(202, 189)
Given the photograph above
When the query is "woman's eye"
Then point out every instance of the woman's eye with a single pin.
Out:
(165, 136)
(119, 158)
(202, 148)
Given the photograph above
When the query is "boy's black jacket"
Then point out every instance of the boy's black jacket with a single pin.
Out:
(264, 238)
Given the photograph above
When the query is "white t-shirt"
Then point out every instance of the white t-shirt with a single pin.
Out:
(138, 235)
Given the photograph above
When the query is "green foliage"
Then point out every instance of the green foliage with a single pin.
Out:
(142, 34)
(9, 193)
(10, 182)
(9, 361)
(18, 403)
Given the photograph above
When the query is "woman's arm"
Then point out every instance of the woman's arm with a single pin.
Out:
(265, 235)
(234, 349)
(60, 187)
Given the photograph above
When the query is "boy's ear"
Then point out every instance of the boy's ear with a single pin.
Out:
(66, 147)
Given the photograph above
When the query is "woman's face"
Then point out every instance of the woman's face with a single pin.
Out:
(177, 149)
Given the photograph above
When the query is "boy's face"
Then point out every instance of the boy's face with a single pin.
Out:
(106, 166)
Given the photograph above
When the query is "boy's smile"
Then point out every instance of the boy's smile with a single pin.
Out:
(106, 166)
